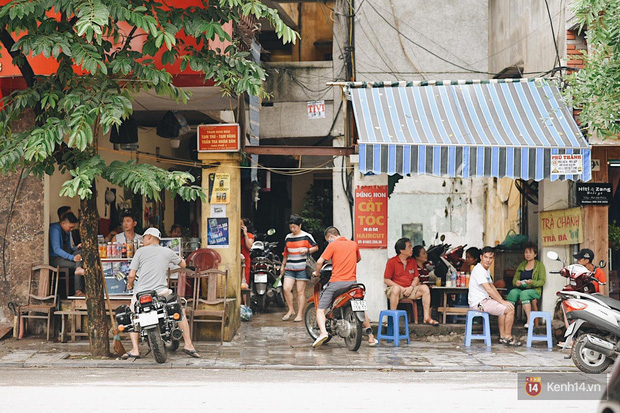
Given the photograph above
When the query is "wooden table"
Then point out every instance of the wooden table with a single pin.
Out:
(448, 310)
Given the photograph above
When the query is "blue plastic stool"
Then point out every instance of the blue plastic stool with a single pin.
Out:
(393, 327)
(486, 328)
(530, 330)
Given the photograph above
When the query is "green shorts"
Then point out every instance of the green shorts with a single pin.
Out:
(525, 296)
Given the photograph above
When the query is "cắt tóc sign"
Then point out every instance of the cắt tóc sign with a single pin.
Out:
(371, 204)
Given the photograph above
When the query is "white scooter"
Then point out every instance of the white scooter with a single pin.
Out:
(594, 327)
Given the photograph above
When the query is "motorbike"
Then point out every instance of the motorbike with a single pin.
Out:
(265, 279)
(155, 318)
(594, 319)
(344, 317)
(444, 260)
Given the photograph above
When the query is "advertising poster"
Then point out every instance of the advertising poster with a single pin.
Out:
(561, 227)
(566, 164)
(594, 194)
(219, 188)
(217, 233)
(371, 216)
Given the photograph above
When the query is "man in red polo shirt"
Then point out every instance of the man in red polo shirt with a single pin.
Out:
(344, 255)
(403, 280)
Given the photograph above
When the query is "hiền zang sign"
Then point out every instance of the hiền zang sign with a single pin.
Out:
(218, 138)
(561, 227)
(371, 204)
(594, 194)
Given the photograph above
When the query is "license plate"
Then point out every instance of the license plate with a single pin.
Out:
(260, 278)
(358, 305)
(148, 319)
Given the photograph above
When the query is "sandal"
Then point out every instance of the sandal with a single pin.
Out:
(503, 340)
(513, 342)
(432, 322)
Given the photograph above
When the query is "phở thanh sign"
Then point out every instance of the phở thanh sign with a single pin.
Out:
(566, 164)
(561, 227)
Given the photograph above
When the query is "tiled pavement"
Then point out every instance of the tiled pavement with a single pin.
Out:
(269, 343)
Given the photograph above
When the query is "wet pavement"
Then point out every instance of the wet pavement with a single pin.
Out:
(267, 342)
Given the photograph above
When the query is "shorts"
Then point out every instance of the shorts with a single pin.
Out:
(297, 275)
(489, 305)
(526, 296)
(388, 292)
(327, 295)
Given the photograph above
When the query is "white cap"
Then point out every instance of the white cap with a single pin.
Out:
(153, 232)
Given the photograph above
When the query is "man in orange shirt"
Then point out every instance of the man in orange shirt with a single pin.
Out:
(344, 255)
(585, 257)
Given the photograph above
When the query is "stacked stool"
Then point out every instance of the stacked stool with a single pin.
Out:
(393, 327)
(486, 328)
(530, 330)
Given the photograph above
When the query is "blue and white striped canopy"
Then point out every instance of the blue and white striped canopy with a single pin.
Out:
(503, 128)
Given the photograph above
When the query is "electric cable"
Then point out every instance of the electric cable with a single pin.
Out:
(555, 43)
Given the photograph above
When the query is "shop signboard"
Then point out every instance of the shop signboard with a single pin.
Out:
(371, 216)
(566, 164)
(217, 233)
(594, 194)
(218, 138)
(561, 227)
(316, 109)
(219, 188)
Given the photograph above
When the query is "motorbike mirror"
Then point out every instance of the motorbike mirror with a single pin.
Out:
(602, 264)
(271, 231)
(442, 238)
(552, 255)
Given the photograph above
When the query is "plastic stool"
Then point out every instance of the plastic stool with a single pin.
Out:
(486, 328)
(393, 327)
(530, 330)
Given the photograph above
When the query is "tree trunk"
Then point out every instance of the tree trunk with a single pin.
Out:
(98, 326)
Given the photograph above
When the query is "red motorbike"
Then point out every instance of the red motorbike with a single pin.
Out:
(344, 317)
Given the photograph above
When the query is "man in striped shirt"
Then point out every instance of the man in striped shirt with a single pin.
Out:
(298, 246)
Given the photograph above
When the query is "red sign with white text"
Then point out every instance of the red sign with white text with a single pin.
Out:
(218, 138)
(371, 203)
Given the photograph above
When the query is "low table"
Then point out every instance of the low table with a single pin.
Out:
(446, 309)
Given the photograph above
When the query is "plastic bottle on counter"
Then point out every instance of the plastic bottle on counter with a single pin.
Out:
(109, 253)
(453, 278)
(124, 250)
(119, 250)
(467, 280)
(130, 249)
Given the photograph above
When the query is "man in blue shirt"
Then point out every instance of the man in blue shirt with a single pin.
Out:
(62, 254)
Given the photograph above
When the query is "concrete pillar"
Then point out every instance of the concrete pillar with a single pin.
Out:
(372, 266)
(226, 163)
(552, 196)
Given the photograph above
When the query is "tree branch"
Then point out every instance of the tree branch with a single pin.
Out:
(8, 42)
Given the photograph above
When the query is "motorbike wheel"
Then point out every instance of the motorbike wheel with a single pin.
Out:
(310, 321)
(280, 298)
(354, 340)
(157, 345)
(261, 303)
(588, 360)
(172, 345)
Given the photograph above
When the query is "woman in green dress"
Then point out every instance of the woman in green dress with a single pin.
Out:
(529, 278)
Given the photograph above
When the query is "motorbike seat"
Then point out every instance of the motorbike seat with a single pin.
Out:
(149, 292)
(615, 304)
(170, 298)
(344, 290)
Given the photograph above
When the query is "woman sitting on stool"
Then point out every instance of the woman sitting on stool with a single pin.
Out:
(529, 278)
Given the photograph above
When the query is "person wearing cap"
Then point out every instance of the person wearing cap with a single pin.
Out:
(585, 257)
(150, 264)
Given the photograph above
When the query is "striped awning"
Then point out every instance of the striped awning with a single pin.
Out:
(500, 128)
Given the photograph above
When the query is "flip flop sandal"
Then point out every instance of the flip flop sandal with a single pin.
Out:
(432, 322)
(128, 356)
(192, 353)
(513, 342)
(503, 341)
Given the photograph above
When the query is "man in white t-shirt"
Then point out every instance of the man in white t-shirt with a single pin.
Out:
(483, 296)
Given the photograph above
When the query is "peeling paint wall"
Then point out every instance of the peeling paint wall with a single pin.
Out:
(450, 207)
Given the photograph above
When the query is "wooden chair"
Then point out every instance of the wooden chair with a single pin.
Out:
(42, 296)
(217, 285)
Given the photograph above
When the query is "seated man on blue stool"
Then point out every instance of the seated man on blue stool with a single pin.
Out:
(403, 280)
(483, 296)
